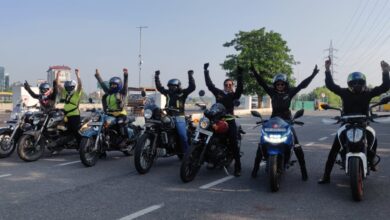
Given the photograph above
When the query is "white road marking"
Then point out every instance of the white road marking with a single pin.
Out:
(68, 163)
(309, 144)
(333, 134)
(323, 138)
(216, 182)
(5, 175)
(142, 212)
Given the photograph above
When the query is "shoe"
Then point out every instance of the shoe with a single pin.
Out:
(103, 155)
(237, 169)
(210, 166)
(324, 180)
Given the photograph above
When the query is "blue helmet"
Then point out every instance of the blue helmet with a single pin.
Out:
(44, 87)
(115, 84)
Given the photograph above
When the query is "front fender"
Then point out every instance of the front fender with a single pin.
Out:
(5, 130)
(89, 133)
(32, 133)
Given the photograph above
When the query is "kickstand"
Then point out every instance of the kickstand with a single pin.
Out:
(226, 171)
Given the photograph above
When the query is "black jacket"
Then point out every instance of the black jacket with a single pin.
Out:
(357, 103)
(226, 99)
(46, 103)
(281, 101)
(176, 100)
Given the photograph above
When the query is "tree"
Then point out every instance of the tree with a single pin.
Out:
(332, 99)
(268, 52)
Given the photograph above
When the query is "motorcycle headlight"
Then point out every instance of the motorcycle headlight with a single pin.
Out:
(354, 135)
(275, 138)
(204, 123)
(148, 113)
(36, 121)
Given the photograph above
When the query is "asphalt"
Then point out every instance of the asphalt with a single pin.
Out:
(60, 187)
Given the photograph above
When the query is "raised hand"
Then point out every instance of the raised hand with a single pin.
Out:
(97, 72)
(157, 73)
(328, 62)
(190, 72)
(206, 66)
(125, 71)
(316, 70)
(385, 66)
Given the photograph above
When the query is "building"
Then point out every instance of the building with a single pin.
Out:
(2, 73)
(6, 82)
(65, 73)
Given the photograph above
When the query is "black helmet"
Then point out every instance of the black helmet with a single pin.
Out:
(356, 82)
(44, 87)
(174, 84)
(70, 85)
(280, 77)
(115, 84)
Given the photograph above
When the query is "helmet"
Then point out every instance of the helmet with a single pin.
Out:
(280, 77)
(70, 85)
(356, 82)
(44, 87)
(174, 84)
(115, 84)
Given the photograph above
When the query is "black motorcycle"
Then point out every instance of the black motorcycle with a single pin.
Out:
(160, 138)
(20, 121)
(49, 131)
(358, 140)
(210, 142)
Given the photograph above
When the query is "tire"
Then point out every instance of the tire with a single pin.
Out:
(7, 146)
(191, 164)
(88, 156)
(355, 170)
(26, 149)
(274, 175)
(144, 153)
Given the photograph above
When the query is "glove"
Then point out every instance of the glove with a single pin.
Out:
(125, 72)
(205, 66)
(385, 66)
(316, 70)
(157, 73)
(97, 72)
(239, 70)
(190, 72)
(25, 84)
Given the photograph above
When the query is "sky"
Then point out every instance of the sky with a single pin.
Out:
(183, 35)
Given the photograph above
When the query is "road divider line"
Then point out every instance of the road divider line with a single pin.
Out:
(323, 138)
(68, 163)
(309, 144)
(216, 182)
(142, 212)
(333, 134)
(5, 175)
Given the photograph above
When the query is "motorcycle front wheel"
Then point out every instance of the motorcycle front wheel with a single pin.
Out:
(26, 149)
(274, 174)
(7, 146)
(355, 169)
(88, 154)
(144, 153)
(191, 163)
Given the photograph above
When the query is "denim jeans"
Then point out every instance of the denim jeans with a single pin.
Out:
(180, 123)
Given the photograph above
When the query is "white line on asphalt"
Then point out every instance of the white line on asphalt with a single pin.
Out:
(216, 182)
(142, 212)
(309, 144)
(68, 163)
(333, 134)
(323, 138)
(5, 175)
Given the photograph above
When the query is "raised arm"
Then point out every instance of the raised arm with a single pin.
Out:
(191, 83)
(305, 82)
(159, 87)
(29, 90)
(329, 82)
(209, 83)
(125, 82)
(240, 87)
(385, 81)
(261, 81)
(58, 86)
(79, 83)
(100, 81)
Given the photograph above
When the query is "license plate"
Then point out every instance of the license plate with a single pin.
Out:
(95, 123)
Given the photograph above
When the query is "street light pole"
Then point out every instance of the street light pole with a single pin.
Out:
(139, 55)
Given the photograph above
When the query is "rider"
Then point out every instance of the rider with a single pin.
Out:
(356, 100)
(47, 96)
(176, 98)
(114, 101)
(71, 107)
(281, 94)
(227, 98)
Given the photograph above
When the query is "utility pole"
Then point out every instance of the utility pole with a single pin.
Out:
(139, 55)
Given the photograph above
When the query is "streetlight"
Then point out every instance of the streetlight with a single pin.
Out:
(140, 56)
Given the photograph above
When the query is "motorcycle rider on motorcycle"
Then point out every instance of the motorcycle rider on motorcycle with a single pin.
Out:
(356, 100)
(71, 106)
(227, 98)
(176, 98)
(281, 95)
(115, 101)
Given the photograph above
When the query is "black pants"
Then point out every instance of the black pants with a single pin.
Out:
(122, 125)
(233, 142)
(74, 126)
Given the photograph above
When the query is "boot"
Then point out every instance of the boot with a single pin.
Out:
(256, 166)
(301, 159)
(237, 169)
(324, 180)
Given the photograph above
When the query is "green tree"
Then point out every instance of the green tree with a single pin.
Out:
(330, 97)
(268, 52)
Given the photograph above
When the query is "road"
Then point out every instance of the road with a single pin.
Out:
(60, 187)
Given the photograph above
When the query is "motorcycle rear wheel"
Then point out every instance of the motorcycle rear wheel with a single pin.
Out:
(26, 149)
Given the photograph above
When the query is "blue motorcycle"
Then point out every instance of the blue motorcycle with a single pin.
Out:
(277, 142)
(102, 134)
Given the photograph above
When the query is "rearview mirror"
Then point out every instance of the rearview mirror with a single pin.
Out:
(201, 93)
(325, 106)
(385, 100)
(256, 114)
(299, 113)
(143, 93)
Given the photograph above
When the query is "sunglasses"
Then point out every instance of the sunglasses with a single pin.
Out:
(358, 83)
(280, 84)
(228, 84)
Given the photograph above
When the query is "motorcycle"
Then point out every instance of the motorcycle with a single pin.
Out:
(101, 134)
(210, 142)
(20, 121)
(357, 139)
(277, 142)
(48, 131)
(160, 138)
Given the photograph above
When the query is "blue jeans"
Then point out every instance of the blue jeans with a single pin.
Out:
(180, 123)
